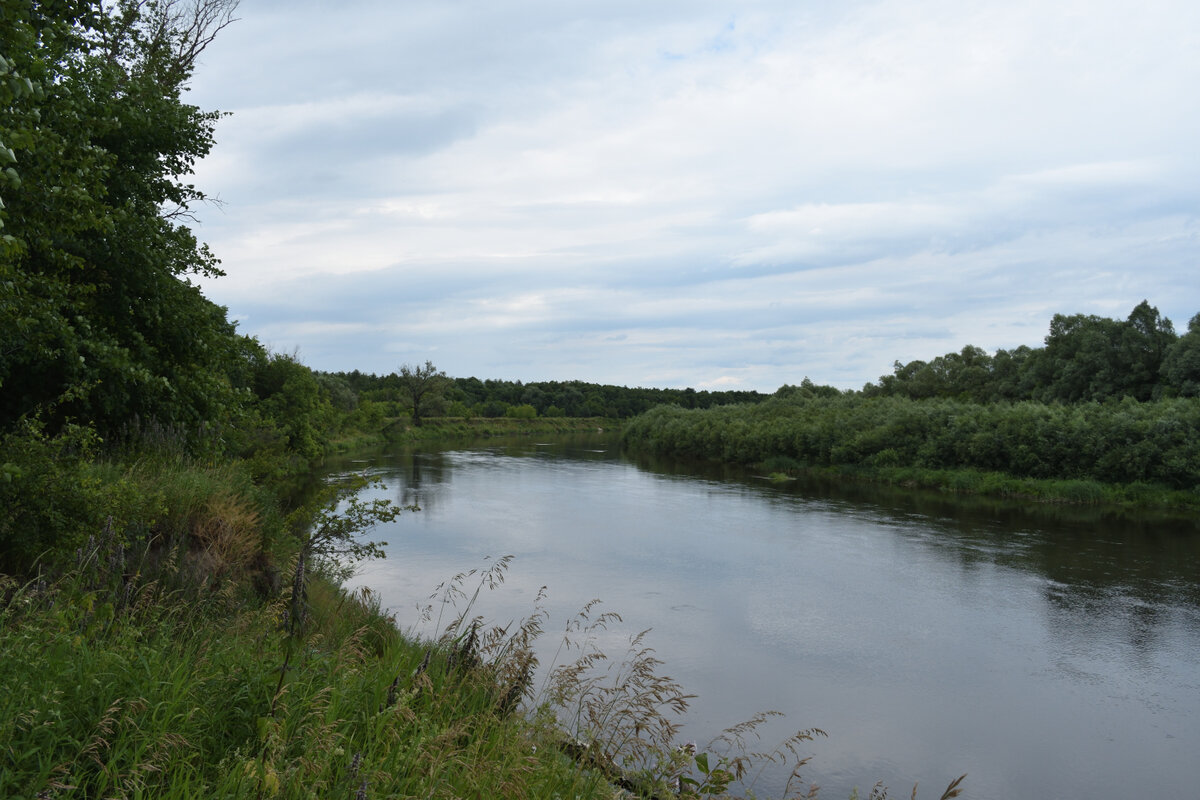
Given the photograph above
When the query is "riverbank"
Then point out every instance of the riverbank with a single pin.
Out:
(136, 689)
(401, 429)
(1134, 496)
(180, 634)
(198, 643)
(1127, 454)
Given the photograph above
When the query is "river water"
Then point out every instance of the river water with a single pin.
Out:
(1047, 652)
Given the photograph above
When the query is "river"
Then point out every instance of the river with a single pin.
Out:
(1047, 652)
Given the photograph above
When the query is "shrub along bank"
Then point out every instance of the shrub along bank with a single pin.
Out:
(1123, 451)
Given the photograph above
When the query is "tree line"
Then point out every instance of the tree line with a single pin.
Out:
(474, 397)
(1085, 358)
(1108, 401)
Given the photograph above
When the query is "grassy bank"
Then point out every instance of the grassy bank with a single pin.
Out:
(127, 690)
(194, 645)
(401, 429)
(163, 687)
(1140, 496)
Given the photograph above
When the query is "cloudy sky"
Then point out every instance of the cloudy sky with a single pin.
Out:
(697, 193)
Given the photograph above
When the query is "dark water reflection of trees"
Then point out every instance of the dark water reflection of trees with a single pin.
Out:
(421, 472)
(992, 633)
(1127, 566)
(1084, 552)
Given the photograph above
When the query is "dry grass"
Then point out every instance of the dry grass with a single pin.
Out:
(227, 531)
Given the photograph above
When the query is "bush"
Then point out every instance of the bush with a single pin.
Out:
(1104, 443)
(50, 500)
(523, 411)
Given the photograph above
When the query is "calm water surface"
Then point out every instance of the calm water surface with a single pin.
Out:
(1049, 653)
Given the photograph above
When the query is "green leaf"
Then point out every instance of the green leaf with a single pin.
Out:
(263, 725)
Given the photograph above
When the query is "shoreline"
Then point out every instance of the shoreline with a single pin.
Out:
(398, 429)
(999, 485)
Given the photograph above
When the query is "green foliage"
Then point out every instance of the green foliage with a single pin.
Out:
(727, 759)
(467, 397)
(1116, 442)
(336, 519)
(523, 411)
(1181, 365)
(806, 389)
(55, 494)
(424, 387)
(1086, 358)
(101, 321)
(338, 391)
(50, 498)
(295, 415)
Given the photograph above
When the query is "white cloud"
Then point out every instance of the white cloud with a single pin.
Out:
(688, 192)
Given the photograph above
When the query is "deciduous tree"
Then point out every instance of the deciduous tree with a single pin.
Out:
(100, 320)
(424, 386)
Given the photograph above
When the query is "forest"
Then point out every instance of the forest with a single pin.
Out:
(1084, 358)
(472, 397)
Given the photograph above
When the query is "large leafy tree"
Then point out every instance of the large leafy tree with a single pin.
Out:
(99, 318)
(424, 386)
(1094, 358)
(1081, 360)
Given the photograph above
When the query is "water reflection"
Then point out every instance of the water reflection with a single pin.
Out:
(1048, 651)
(1153, 557)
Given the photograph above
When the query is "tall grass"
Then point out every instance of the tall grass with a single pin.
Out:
(138, 674)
